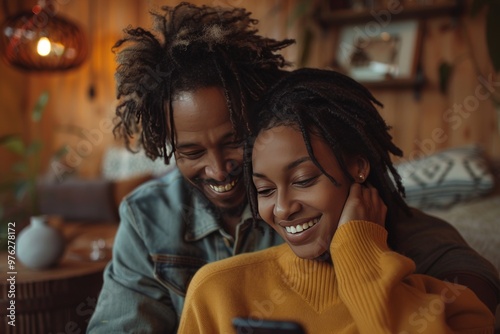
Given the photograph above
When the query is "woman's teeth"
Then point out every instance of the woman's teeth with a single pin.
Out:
(301, 227)
(223, 188)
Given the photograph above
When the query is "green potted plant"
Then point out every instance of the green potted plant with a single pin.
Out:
(18, 195)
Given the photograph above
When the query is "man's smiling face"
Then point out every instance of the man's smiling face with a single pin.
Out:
(208, 154)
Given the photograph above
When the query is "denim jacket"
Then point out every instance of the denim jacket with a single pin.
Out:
(166, 233)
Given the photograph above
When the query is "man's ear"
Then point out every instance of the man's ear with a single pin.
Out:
(359, 168)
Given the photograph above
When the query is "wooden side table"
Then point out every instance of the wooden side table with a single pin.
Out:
(60, 299)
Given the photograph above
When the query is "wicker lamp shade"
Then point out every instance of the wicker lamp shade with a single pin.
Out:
(42, 41)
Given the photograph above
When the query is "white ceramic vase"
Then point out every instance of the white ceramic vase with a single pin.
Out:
(39, 245)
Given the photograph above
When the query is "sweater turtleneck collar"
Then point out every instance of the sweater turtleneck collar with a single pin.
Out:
(314, 280)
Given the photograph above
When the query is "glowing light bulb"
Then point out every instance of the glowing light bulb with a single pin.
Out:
(43, 47)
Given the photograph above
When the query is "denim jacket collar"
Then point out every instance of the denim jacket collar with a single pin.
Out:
(198, 222)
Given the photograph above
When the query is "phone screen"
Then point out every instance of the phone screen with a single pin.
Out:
(258, 326)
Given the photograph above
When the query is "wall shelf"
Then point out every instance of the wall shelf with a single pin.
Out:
(387, 17)
(392, 83)
(350, 16)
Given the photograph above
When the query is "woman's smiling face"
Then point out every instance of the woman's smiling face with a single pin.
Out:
(294, 196)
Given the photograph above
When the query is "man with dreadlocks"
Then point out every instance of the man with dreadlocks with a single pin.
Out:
(320, 174)
(186, 90)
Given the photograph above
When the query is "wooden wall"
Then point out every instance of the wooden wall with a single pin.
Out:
(72, 117)
(463, 115)
(71, 107)
(432, 121)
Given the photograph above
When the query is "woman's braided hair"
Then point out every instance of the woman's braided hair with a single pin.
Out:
(191, 47)
(340, 111)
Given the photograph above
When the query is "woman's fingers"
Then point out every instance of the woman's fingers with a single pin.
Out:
(364, 203)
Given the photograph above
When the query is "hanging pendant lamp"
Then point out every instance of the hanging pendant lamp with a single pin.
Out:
(42, 40)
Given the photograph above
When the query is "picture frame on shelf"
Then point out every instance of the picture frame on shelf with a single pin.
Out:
(375, 54)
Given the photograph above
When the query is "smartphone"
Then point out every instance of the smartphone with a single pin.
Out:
(254, 326)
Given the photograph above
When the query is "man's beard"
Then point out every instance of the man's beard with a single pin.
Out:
(233, 211)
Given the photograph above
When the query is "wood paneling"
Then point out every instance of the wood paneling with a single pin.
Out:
(414, 121)
(466, 114)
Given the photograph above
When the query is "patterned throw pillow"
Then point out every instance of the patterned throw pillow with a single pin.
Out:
(121, 164)
(447, 177)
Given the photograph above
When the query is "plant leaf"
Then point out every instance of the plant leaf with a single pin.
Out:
(9, 185)
(60, 152)
(21, 189)
(299, 11)
(445, 71)
(36, 116)
(492, 29)
(34, 147)
(13, 143)
(20, 167)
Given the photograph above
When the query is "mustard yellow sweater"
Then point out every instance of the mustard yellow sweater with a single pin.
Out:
(368, 289)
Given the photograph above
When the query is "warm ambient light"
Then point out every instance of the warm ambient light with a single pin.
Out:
(43, 46)
(40, 40)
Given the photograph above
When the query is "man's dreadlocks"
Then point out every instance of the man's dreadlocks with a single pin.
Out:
(191, 47)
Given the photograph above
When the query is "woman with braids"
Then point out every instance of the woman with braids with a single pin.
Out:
(320, 174)
(186, 90)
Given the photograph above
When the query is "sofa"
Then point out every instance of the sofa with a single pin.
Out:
(97, 200)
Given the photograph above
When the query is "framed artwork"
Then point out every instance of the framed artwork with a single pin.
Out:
(372, 53)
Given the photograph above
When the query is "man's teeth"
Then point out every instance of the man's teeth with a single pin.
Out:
(222, 188)
(301, 227)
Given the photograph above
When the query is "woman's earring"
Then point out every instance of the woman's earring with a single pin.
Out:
(361, 178)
